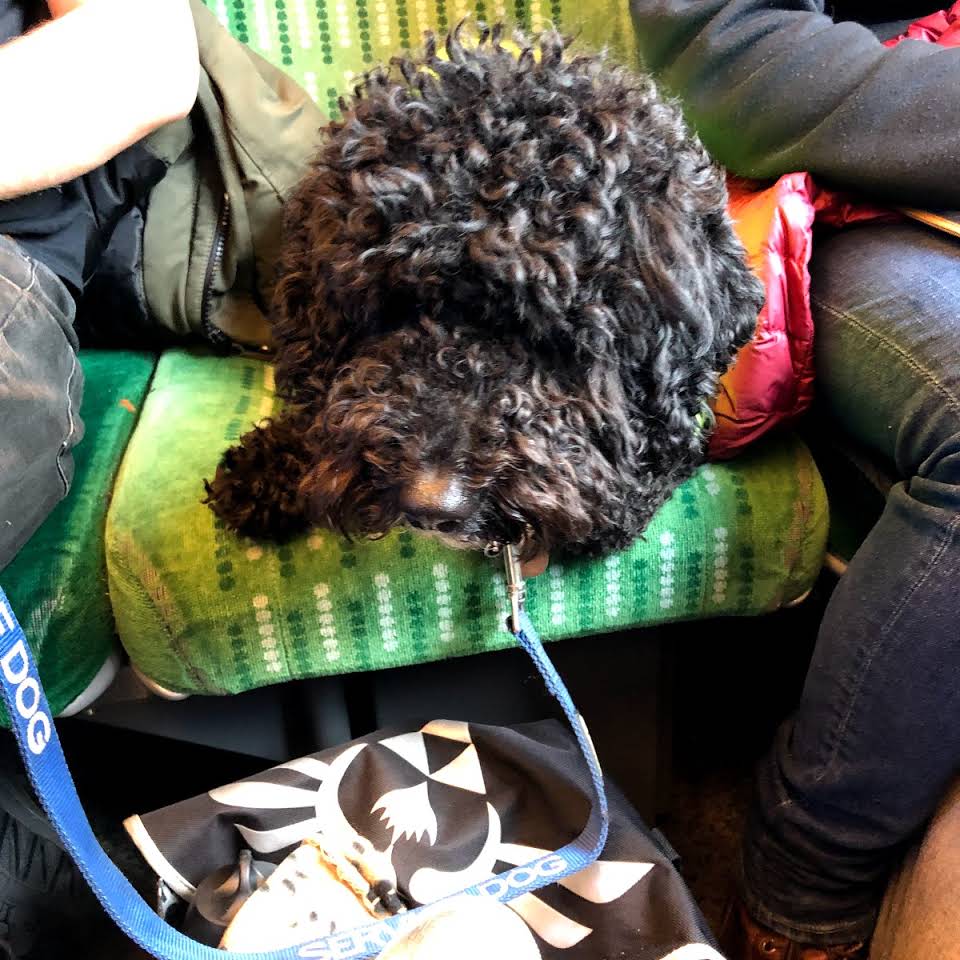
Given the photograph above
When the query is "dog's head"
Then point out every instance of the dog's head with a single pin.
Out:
(508, 289)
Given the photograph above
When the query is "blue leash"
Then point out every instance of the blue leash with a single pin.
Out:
(43, 757)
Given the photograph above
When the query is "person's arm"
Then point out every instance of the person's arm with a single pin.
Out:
(84, 86)
(774, 86)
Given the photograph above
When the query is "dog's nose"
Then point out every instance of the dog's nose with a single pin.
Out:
(438, 501)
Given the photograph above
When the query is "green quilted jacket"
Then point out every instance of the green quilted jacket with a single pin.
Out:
(213, 223)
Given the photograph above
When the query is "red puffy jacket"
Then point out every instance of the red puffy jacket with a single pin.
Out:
(771, 382)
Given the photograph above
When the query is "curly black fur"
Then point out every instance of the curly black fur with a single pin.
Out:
(512, 274)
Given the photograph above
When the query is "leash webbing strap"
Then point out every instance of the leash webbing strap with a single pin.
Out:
(43, 757)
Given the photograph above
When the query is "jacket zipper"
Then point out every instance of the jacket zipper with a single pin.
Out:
(209, 329)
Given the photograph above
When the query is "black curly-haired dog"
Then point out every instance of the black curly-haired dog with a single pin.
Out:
(508, 289)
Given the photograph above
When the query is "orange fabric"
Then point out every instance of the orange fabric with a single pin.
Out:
(772, 379)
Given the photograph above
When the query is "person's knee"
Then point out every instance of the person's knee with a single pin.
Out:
(41, 387)
(885, 301)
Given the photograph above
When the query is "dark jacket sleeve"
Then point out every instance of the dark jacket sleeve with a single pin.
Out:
(775, 86)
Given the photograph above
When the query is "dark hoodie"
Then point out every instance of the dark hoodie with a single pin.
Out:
(775, 86)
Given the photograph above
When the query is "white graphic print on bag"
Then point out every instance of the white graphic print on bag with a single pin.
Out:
(449, 805)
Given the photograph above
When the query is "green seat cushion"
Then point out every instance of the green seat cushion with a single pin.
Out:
(58, 583)
(326, 45)
(201, 610)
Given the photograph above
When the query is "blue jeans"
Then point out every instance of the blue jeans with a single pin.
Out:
(875, 742)
(41, 384)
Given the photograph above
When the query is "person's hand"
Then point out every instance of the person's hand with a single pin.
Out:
(58, 8)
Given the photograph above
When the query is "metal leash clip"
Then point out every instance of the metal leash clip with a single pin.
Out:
(516, 585)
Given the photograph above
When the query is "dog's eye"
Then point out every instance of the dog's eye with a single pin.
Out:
(446, 526)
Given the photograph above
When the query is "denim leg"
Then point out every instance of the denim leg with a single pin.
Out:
(41, 384)
(863, 763)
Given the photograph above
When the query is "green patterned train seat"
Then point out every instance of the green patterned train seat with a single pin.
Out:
(58, 582)
(200, 610)
(326, 45)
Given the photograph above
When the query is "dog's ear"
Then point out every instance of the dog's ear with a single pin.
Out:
(337, 494)
(324, 486)
(256, 489)
(309, 329)
(329, 295)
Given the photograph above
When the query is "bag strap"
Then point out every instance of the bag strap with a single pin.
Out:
(43, 757)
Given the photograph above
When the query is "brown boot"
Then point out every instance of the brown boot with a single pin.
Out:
(742, 938)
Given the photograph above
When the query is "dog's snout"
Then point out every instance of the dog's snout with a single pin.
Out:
(437, 500)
